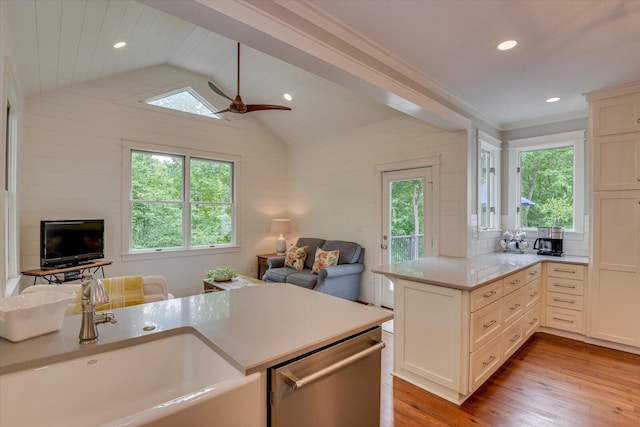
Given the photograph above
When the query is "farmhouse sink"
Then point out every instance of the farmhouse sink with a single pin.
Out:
(173, 380)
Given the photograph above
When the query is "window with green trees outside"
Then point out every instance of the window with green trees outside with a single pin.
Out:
(179, 201)
(547, 193)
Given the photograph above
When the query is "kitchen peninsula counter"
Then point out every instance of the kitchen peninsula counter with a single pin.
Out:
(253, 328)
(468, 274)
(457, 320)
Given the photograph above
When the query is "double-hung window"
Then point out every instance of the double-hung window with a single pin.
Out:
(547, 178)
(488, 182)
(180, 201)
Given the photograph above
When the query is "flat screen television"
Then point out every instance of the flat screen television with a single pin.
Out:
(70, 242)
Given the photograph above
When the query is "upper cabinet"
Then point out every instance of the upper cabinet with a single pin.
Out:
(616, 162)
(616, 115)
(615, 138)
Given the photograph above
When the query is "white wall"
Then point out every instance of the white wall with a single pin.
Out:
(72, 168)
(335, 191)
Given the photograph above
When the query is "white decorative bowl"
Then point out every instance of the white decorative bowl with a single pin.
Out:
(33, 314)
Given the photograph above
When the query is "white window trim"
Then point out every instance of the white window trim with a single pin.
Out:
(575, 139)
(494, 146)
(130, 255)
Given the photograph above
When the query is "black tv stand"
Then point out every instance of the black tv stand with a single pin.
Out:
(59, 275)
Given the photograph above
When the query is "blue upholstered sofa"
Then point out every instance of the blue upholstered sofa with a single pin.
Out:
(342, 280)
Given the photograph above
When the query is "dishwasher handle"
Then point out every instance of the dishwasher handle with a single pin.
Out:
(297, 383)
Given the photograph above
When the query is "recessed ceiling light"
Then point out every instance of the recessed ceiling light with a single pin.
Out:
(507, 44)
(119, 45)
(287, 97)
(554, 99)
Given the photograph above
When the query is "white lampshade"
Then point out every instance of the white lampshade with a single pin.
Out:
(280, 226)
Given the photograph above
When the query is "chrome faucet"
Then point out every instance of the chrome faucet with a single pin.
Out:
(93, 292)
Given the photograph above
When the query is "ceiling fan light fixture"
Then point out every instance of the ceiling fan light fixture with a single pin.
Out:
(507, 44)
(119, 45)
(288, 97)
(553, 99)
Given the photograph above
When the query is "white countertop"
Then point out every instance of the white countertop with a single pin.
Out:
(467, 273)
(253, 328)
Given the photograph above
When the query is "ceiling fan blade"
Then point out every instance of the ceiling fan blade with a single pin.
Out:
(226, 110)
(260, 107)
(218, 91)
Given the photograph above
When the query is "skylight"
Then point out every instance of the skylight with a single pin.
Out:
(186, 100)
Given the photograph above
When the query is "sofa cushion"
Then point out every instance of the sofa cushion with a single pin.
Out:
(303, 278)
(312, 244)
(295, 257)
(278, 275)
(349, 251)
(324, 259)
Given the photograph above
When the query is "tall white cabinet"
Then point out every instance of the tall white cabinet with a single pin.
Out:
(614, 278)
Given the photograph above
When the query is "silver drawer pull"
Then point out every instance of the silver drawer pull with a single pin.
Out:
(515, 282)
(533, 321)
(568, 301)
(490, 361)
(562, 270)
(489, 294)
(490, 324)
(533, 294)
(297, 383)
(564, 285)
(515, 307)
(515, 338)
(564, 320)
(533, 273)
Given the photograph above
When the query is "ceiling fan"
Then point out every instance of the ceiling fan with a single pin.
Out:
(237, 106)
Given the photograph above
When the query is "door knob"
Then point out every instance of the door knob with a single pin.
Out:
(383, 246)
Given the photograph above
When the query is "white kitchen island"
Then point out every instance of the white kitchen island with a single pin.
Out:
(458, 319)
(253, 328)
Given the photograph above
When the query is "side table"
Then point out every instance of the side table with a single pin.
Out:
(241, 282)
(262, 263)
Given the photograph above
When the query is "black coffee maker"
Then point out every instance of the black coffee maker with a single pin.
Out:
(549, 241)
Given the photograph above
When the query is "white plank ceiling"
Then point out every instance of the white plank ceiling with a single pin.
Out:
(567, 47)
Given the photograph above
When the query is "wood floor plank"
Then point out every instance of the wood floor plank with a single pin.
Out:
(551, 381)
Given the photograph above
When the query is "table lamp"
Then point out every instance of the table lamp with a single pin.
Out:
(280, 227)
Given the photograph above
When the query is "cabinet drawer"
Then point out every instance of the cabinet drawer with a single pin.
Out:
(531, 321)
(565, 286)
(532, 293)
(567, 320)
(484, 362)
(513, 307)
(565, 271)
(513, 282)
(486, 323)
(512, 339)
(532, 273)
(571, 302)
(485, 295)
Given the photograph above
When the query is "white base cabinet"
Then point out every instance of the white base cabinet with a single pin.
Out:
(449, 341)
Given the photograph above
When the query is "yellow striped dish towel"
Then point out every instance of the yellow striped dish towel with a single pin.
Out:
(123, 292)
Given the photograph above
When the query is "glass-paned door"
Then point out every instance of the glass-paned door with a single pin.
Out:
(406, 220)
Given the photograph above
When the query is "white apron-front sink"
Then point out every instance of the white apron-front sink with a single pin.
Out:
(173, 380)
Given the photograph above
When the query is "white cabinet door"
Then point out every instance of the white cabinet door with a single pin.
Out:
(616, 163)
(618, 114)
(429, 333)
(615, 270)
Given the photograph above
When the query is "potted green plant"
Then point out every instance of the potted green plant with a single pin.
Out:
(221, 274)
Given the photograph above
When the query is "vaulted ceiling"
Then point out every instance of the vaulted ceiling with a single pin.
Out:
(447, 48)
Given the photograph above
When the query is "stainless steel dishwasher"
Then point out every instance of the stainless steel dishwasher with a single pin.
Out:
(338, 385)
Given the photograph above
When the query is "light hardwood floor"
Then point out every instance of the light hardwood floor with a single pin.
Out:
(550, 381)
